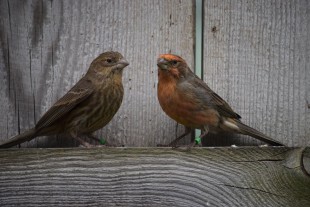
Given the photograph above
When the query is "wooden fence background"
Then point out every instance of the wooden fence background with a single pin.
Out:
(255, 55)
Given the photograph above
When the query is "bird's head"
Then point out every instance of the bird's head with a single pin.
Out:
(109, 63)
(172, 65)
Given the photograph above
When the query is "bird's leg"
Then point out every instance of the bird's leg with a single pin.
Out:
(176, 130)
(101, 142)
(193, 141)
(174, 142)
(81, 141)
(204, 133)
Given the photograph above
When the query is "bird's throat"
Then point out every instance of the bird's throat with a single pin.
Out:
(168, 76)
(166, 87)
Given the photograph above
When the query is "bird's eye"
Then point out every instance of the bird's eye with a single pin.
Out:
(174, 62)
(109, 60)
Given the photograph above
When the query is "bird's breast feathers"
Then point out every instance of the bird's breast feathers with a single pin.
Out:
(184, 109)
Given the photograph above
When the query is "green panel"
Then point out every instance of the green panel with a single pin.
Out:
(198, 43)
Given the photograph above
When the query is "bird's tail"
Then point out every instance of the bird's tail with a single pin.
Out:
(18, 139)
(239, 127)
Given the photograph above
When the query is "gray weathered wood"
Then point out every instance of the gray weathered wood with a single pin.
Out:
(46, 47)
(248, 177)
(256, 56)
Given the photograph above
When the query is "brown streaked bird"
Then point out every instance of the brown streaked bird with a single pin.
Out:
(88, 106)
(188, 100)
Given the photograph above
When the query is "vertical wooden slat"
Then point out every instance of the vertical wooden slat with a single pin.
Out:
(256, 55)
(46, 47)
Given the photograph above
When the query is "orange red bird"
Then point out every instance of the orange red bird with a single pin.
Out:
(188, 100)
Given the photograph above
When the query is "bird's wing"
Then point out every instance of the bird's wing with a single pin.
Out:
(210, 98)
(78, 93)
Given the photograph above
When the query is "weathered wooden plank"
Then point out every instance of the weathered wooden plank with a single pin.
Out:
(46, 47)
(256, 57)
(249, 176)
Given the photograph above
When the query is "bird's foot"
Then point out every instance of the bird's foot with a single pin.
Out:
(99, 145)
(191, 145)
(174, 146)
(86, 145)
(195, 142)
(103, 142)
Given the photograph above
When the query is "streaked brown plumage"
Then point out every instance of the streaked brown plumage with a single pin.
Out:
(189, 101)
(88, 106)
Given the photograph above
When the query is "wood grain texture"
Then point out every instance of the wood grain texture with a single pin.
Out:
(248, 177)
(256, 56)
(306, 160)
(46, 47)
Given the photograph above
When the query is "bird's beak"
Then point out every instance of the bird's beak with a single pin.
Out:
(162, 63)
(122, 63)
